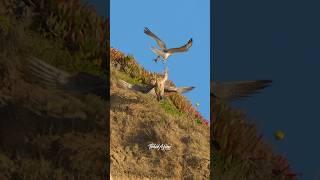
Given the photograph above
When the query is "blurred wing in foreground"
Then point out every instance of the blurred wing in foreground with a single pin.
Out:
(49, 76)
(234, 90)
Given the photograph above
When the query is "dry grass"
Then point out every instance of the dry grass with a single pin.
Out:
(137, 120)
(138, 75)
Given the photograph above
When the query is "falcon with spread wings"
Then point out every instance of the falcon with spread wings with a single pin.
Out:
(158, 87)
(164, 52)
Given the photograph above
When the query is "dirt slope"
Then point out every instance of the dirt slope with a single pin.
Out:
(137, 120)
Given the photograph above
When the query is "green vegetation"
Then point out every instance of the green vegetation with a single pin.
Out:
(127, 78)
(138, 120)
(5, 25)
(64, 33)
(169, 107)
(136, 74)
(44, 131)
(70, 35)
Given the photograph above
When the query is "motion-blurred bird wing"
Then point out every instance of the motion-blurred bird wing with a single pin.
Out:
(229, 91)
(178, 89)
(51, 77)
(161, 44)
(183, 48)
(45, 74)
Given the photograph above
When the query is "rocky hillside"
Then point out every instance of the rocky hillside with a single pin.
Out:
(138, 119)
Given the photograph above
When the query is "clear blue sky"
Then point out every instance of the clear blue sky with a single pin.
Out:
(278, 40)
(175, 22)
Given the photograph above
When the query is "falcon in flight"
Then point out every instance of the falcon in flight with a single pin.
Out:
(163, 52)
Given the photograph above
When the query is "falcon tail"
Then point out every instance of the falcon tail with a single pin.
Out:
(158, 52)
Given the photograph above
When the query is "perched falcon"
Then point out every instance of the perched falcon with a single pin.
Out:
(163, 51)
(159, 84)
(158, 87)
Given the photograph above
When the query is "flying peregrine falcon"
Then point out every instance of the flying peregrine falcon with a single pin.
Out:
(163, 51)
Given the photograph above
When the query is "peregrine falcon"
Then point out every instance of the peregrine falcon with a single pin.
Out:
(164, 52)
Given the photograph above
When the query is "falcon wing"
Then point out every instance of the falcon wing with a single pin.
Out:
(45, 74)
(161, 44)
(49, 76)
(183, 48)
(238, 89)
(151, 89)
(140, 88)
(178, 89)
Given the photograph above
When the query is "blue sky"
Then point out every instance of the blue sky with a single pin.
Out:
(175, 22)
(276, 40)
